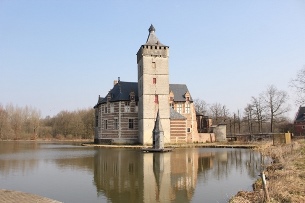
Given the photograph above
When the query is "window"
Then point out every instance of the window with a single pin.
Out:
(106, 124)
(171, 98)
(106, 109)
(156, 99)
(179, 108)
(136, 107)
(111, 108)
(96, 121)
(188, 130)
(172, 105)
(187, 108)
(127, 107)
(154, 80)
(130, 124)
(116, 124)
(154, 64)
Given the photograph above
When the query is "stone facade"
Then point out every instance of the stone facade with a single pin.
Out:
(126, 115)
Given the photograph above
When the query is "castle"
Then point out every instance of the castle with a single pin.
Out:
(126, 115)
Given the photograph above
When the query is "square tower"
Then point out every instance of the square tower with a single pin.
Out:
(153, 87)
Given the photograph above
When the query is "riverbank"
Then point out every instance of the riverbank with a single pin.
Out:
(285, 176)
(182, 145)
(10, 196)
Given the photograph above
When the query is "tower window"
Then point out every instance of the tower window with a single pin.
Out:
(154, 80)
(154, 64)
(156, 99)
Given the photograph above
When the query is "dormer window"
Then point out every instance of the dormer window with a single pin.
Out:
(132, 96)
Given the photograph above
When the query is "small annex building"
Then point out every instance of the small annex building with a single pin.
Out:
(127, 113)
(299, 122)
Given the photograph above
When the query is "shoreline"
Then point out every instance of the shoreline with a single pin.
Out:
(12, 196)
(285, 180)
(198, 145)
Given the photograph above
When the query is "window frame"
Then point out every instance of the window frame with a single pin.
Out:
(130, 123)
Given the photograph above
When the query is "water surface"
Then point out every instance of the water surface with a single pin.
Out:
(73, 173)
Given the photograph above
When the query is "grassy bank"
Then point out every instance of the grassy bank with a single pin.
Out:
(285, 176)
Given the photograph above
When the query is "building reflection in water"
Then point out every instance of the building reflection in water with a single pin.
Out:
(164, 177)
(128, 175)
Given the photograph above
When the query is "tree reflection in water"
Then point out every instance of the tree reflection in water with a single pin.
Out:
(121, 174)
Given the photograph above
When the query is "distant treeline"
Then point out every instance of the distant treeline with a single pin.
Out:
(26, 123)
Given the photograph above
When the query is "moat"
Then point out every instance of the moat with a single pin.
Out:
(68, 172)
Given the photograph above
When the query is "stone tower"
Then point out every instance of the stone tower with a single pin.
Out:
(153, 87)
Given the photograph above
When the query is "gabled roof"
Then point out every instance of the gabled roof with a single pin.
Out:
(152, 38)
(121, 91)
(179, 91)
(301, 114)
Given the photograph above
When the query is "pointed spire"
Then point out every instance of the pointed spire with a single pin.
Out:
(152, 38)
(151, 29)
(158, 126)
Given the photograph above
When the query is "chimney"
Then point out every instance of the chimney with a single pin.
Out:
(115, 82)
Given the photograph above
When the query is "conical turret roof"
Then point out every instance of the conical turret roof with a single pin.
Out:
(152, 39)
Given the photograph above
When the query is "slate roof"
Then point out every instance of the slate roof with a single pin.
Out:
(152, 39)
(301, 114)
(179, 90)
(121, 91)
(175, 115)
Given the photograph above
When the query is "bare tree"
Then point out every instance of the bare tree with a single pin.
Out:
(258, 111)
(4, 123)
(200, 106)
(248, 114)
(216, 111)
(219, 113)
(298, 84)
(275, 102)
(15, 118)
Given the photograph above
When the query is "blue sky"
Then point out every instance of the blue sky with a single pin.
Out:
(60, 55)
